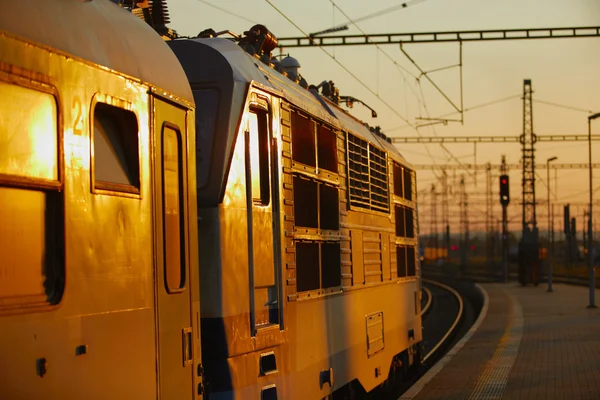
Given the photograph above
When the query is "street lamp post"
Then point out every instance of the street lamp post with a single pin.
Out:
(590, 233)
(549, 257)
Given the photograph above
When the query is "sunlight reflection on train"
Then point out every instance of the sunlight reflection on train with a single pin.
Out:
(28, 145)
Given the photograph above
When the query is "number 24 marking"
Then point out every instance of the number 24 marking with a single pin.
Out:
(78, 122)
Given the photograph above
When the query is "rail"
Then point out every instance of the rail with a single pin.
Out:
(456, 321)
(428, 304)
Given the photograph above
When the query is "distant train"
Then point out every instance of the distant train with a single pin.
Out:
(180, 220)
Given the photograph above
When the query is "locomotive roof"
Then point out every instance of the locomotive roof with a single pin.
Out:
(249, 70)
(98, 31)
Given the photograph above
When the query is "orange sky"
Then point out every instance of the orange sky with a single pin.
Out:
(563, 71)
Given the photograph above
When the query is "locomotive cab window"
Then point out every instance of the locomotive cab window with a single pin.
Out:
(115, 149)
(259, 156)
(32, 230)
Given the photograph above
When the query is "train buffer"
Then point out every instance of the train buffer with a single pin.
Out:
(527, 344)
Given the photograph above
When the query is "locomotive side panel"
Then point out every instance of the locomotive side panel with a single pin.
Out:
(331, 325)
(243, 341)
(343, 303)
(176, 284)
(104, 233)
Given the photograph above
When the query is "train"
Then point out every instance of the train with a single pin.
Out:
(187, 218)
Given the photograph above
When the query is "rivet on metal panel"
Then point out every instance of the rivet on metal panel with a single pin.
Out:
(81, 350)
(41, 365)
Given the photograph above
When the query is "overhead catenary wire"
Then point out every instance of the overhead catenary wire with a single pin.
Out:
(396, 64)
(402, 117)
(352, 75)
(400, 69)
(566, 107)
(450, 154)
(385, 11)
(466, 109)
(226, 11)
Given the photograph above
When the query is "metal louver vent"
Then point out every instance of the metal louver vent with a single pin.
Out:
(358, 161)
(367, 175)
(379, 179)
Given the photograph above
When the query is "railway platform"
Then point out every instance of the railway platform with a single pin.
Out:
(526, 344)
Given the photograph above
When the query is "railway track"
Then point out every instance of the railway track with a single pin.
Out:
(448, 310)
(483, 275)
(441, 317)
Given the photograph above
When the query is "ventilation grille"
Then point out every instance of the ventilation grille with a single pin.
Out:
(368, 175)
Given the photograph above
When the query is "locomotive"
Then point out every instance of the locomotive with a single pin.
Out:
(206, 226)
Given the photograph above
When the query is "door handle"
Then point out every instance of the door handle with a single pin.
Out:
(186, 336)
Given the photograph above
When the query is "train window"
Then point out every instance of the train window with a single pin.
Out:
(316, 205)
(173, 235)
(32, 273)
(401, 261)
(410, 262)
(31, 247)
(207, 101)
(407, 184)
(259, 156)
(28, 133)
(306, 212)
(331, 273)
(410, 230)
(329, 209)
(398, 187)
(400, 228)
(307, 266)
(116, 149)
(327, 149)
(303, 140)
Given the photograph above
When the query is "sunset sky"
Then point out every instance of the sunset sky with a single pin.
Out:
(563, 71)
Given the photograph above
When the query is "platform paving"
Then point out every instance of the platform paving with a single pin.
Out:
(531, 345)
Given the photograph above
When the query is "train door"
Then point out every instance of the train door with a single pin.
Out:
(172, 277)
(263, 217)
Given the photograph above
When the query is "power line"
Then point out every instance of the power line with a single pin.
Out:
(475, 107)
(369, 16)
(396, 64)
(562, 106)
(227, 11)
(353, 75)
(400, 69)
(452, 156)
(343, 66)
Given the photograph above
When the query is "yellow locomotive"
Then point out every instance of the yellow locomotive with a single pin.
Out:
(307, 231)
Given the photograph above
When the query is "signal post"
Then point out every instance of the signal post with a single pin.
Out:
(504, 200)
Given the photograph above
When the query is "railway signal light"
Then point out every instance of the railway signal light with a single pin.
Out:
(504, 194)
